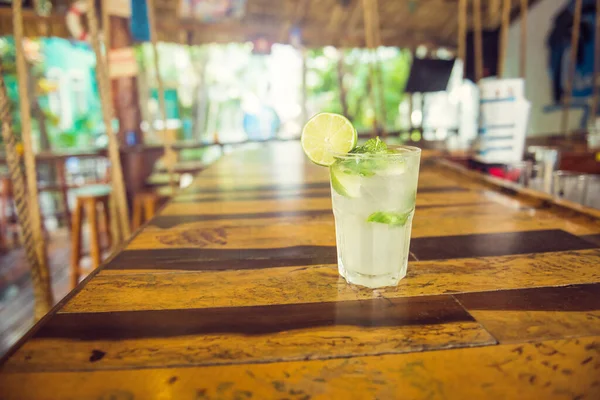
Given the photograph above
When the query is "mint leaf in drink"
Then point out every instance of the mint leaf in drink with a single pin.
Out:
(389, 218)
(371, 146)
(357, 166)
(367, 166)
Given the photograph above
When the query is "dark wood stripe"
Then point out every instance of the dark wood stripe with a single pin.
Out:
(496, 244)
(421, 249)
(592, 239)
(566, 298)
(441, 189)
(255, 320)
(170, 221)
(242, 188)
(282, 195)
(217, 260)
(247, 197)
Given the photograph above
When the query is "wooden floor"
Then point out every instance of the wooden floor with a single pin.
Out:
(16, 293)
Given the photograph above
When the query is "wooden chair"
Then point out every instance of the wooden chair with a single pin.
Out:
(87, 200)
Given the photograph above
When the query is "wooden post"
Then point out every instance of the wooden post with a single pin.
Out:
(170, 156)
(39, 271)
(567, 94)
(462, 32)
(478, 40)
(503, 36)
(118, 186)
(595, 86)
(125, 96)
(523, 46)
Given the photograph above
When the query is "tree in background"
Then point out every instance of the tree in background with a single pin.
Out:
(38, 86)
(328, 92)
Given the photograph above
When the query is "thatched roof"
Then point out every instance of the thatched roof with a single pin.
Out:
(404, 23)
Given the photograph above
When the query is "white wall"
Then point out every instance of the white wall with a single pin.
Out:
(538, 84)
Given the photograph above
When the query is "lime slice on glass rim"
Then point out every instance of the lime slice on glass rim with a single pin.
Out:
(326, 134)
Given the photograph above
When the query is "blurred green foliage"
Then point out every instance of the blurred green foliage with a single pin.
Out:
(324, 90)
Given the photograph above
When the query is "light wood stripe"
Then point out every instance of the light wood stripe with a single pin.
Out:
(319, 229)
(542, 370)
(452, 219)
(158, 290)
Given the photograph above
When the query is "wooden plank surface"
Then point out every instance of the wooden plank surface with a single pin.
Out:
(233, 292)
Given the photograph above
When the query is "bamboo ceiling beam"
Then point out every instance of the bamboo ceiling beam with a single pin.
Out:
(567, 94)
(312, 34)
(337, 17)
(354, 19)
(494, 12)
(295, 17)
(368, 24)
(349, 23)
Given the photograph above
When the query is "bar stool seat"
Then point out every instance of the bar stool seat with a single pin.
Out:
(146, 203)
(87, 199)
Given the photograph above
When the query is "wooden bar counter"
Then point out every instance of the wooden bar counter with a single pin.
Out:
(232, 292)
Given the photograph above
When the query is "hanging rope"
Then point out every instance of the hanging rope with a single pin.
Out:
(573, 62)
(595, 86)
(170, 156)
(28, 207)
(104, 89)
(40, 277)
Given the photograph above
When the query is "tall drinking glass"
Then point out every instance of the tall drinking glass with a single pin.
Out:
(373, 198)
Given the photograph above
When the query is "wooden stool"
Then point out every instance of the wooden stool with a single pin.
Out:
(146, 203)
(88, 198)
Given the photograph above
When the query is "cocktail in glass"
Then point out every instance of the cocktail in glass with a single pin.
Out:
(373, 198)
